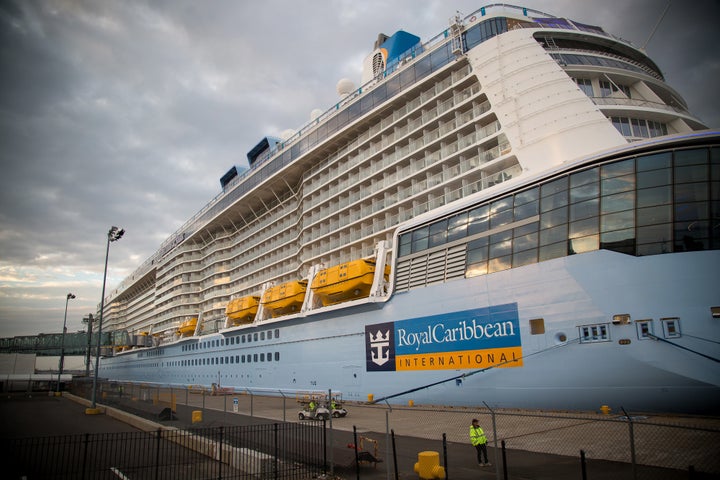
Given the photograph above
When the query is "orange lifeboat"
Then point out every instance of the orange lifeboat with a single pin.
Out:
(344, 282)
(242, 310)
(187, 327)
(285, 298)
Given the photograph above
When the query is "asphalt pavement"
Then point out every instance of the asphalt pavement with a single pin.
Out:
(39, 415)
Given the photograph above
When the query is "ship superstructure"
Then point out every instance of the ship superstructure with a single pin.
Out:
(469, 191)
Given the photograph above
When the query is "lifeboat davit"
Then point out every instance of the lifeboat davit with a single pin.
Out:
(187, 327)
(242, 310)
(344, 282)
(285, 298)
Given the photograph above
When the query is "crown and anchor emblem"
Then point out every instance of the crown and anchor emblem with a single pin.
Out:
(380, 344)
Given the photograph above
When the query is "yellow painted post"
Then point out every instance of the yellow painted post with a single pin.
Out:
(370, 397)
(428, 466)
(197, 416)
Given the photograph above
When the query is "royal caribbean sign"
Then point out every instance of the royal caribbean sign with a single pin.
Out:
(471, 339)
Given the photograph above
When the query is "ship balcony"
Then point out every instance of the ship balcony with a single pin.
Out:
(645, 109)
(632, 104)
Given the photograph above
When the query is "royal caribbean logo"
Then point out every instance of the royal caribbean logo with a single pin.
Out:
(469, 339)
(380, 347)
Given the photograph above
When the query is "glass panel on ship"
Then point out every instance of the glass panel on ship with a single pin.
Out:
(641, 205)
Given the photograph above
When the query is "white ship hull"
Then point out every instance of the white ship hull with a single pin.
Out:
(328, 351)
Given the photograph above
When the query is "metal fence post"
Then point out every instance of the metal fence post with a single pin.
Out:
(392, 432)
(631, 429)
(275, 452)
(357, 459)
(504, 460)
(583, 468)
(387, 439)
(495, 449)
(220, 452)
(157, 454)
(84, 461)
(445, 463)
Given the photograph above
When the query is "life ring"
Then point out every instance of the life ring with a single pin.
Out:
(473, 18)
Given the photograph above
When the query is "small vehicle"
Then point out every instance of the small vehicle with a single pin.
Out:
(314, 412)
(315, 406)
(337, 410)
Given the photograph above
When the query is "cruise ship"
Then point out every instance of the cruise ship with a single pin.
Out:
(518, 212)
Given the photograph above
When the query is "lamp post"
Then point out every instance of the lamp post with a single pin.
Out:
(113, 235)
(62, 341)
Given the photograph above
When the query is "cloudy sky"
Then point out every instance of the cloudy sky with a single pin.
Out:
(128, 113)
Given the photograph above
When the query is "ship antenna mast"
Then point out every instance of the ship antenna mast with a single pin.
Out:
(656, 25)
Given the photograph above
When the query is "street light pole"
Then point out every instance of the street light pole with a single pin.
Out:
(113, 235)
(62, 341)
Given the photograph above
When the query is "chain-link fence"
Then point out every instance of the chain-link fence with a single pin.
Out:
(522, 444)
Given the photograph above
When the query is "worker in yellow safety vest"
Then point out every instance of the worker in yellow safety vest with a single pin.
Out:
(479, 441)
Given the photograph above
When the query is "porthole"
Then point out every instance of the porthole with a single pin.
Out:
(560, 338)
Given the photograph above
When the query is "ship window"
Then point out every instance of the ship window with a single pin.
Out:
(671, 327)
(405, 244)
(537, 326)
(585, 85)
(653, 178)
(255, 337)
(277, 356)
(232, 360)
(262, 335)
(221, 360)
(639, 128)
(269, 356)
(594, 333)
(457, 227)
(526, 210)
(269, 334)
(255, 357)
(242, 339)
(478, 220)
(622, 125)
(242, 358)
(501, 212)
(262, 357)
(586, 209)
(438, 233)
(420, 239)
(277, 333)
(584, 177)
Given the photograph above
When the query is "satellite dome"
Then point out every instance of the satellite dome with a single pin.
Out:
(345, 87)
(285, 134)
(316, 112)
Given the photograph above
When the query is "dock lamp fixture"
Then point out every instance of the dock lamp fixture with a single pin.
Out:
(113, 235)
(68, 297)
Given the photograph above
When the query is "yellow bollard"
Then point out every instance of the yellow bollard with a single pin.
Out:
(197, 416)
(605, 409)
(411, 403)
(428, 466)
(370, 397)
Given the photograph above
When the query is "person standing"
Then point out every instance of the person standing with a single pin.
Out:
(479, 441)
